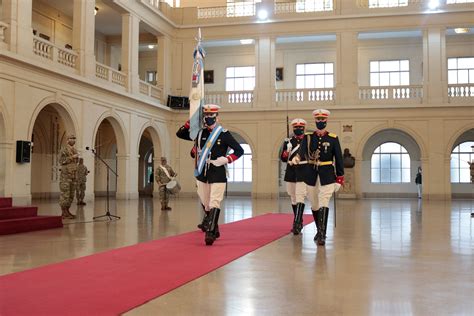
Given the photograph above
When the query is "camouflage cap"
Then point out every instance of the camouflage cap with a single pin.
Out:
(71, 136)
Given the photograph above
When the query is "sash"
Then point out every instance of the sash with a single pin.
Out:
(166, 172)
(204, 154)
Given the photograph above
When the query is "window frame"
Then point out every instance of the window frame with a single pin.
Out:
(315, 75)
(389, 72)
(240, 77)
(466, 168)
(246, 165)
(403, 151)
(469, 70)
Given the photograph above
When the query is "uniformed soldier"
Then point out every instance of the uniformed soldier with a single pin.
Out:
(320, 153)
(81, 176)
(294, 176)
(68, 160)
(211, 146)
(163, 174)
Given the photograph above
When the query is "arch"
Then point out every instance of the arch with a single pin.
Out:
(154, 131)
(64, 110)
(391, 135)
(119, 129)
(452, 142)
(245, 136)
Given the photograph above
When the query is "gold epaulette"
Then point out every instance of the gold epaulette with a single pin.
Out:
(332, 135)
(308, 133)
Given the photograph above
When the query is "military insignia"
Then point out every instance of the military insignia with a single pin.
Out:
(326, 145)
(218, 142)
(332, 135)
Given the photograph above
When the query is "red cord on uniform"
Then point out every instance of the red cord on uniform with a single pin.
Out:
(187, 124)
(340, 180)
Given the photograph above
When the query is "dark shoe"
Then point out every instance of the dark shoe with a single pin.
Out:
(205, 222)
(298, 221)
(212, 231)
(210, 238)
(168, 208)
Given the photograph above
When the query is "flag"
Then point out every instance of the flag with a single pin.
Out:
(196, 95)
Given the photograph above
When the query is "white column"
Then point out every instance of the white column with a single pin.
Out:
(127, 181)
(7, 152)
(83, 36)
(347, 86)
(265, 72)
(130, 40)
(19, 34)
(435, 85)
(163, 71)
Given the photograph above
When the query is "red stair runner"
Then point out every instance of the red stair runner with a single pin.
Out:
(19, 219)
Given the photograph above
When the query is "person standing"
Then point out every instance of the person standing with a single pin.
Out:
(164, 174)
(67, 181)
(211, 146)
(321, 155)
(418, 182)
(81, 176)
(294, 176)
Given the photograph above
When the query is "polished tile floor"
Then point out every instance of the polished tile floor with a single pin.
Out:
(385, 257)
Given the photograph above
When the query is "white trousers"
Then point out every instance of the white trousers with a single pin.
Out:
(210, 194)
(418, 186)
(297, 191)
(320, 194)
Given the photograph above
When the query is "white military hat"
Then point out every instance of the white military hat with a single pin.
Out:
(211, 108)
(298, 122)
(321, 113)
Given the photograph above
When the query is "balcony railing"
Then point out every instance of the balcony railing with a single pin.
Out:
(392, 93)
(150, 90)
(303, 7)
(109, 74)
(305, 96)
(48, 50)
(459, 91)
(212, 13)
(3, 28)
(230, 97)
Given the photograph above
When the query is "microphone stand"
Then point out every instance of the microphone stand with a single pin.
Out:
(107, 214)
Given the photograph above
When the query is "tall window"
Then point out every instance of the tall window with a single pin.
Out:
(151, 77)
(239, 78)
(387, 3)
(313, 5)
(389, 73)
(317, 75)
(460, 156)
(460, 70)
(241, 169)
(390, 164)
(241, 7)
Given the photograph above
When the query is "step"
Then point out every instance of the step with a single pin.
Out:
(5, 202)
(18, 212)
(27, 224)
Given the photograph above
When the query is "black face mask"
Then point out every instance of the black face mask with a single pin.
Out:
(321, 125)
(210, 120)
(298, 131)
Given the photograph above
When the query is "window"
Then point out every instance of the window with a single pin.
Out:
(239, 78)
(460, 156)
(241, 8)
(390, 73)
(387, 3)
(390, 164)
(317, 75)
(313, 5)
(241, 169)
(460, 70)
(151, 77)
(459, 1)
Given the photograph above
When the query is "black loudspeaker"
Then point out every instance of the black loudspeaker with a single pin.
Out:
(178, 102)
(23, 151)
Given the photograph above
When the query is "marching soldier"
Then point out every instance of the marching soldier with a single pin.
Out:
(320, 153)
(81, 176)
(211, 146)
(294, 176)
(163, 175)
(67, 181)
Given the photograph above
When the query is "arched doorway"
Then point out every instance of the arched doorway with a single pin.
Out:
(149, 151)
(462, 154)
(49, 135)
(105, 147)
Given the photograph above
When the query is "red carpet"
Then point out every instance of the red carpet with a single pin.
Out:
(116, 281)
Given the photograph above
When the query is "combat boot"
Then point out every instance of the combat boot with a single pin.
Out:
(205, 222)
(298, 221)
(69, 213)
(213, 230)
(64, 213)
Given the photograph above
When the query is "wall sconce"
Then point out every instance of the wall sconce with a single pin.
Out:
(96, 9)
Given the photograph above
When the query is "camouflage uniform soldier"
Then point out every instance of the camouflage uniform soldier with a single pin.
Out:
(68, 160)
(81, 176)
(162, 178)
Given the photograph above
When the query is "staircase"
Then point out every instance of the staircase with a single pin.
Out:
(20, 219)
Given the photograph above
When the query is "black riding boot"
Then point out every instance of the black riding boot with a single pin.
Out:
(324, 224)
(318, 226)
(213, 229)
(298, 221)
(293, 206)
(205, 222)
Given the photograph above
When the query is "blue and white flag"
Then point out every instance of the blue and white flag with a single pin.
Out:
(196, 95)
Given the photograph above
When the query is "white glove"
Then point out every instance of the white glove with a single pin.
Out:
(220, 161)
(337, 186)
(295, 160)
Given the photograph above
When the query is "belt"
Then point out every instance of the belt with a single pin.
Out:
(317, 163)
